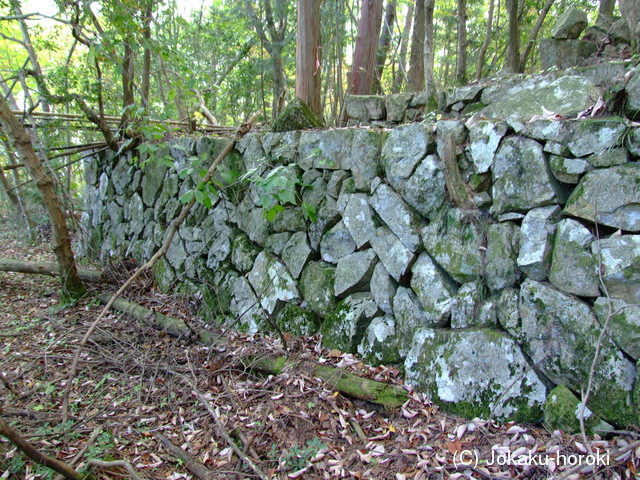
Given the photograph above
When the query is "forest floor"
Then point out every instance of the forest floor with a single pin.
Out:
(136, 386)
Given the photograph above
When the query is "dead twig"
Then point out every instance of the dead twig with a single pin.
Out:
(115, 463)
(191, 464)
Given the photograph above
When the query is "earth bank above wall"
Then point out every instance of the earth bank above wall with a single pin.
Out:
(493, 310)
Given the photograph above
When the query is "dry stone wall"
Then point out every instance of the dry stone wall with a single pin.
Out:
(490, 310)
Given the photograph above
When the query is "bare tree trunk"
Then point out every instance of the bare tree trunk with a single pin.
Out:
(401, 73)
(630, 10)
(128, 72)
(605, 11)
(534, 34)
(487, 40)
(429, 40)
(513, 48)
(308, 55)
(15, 194)
(461, 66)
(72, 287)
(415, 80)
(364, 57)
(384, 44)
(146, 63)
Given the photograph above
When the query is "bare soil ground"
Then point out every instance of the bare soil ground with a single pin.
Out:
(136, 385)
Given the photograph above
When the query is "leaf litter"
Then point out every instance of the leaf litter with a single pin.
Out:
(131, 390)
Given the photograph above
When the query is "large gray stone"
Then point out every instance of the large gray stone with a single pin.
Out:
(379, 344)
(594, 137)
(501, 257)
(358, 218)
(425, 188)
(395, 257)
(620, 258)
(272, 282)
(243, 253)
(566, 96)
(383, 288)
(573, 269)
(410, 317)
(245, 307)
(337, 243)
(434, 288)
(521, 177)
(513, 85)
(560, 335)
(403, 149)
(327, 216)
(295, 253)
(316, 285)
(455, 246)
(366, 107)
(354, 272)
(325, 149)
(609, 158)
(154, 173)
(282, 147)
(364, 158)
(465, 306)
(570, 24)
(397, 106)
(475, 373)
(624, 324)
(399, 217)
(609, 196)
(569, 170)
(632, 106)
(344, 329)
(484, 139)
(536, 241)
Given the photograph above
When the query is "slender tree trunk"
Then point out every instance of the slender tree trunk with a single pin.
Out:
(429, 41)
(364, 57)
(415, 80)
(308, 55)
(384, 44)
(605, 11)
(401, 73)
(513, 49)
(534, 34)
(128, 72)
(13, 198)
(72, 287)
(15, 193)
(146, 63)
(461, 65)
(487, 40)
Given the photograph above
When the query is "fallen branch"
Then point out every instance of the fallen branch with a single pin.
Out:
(170, 325)
(115, 463)
(34, 454)
(347, 383)
(175, 224)
(21, 266)
(193, 465)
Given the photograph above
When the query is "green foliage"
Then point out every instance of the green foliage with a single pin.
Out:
(298, 456)
(279, 187)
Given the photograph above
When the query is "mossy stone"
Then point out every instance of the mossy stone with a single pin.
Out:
(296, 116)
(297, 321)
(562, 411)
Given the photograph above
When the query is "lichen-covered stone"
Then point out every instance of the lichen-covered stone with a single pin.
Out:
(403, 149)
(624, 324)
(536, 241)
(336, 243)
(358, 218)
(399, 217)
(295, 253)
(620, 258)
(570, 24)
(296, 116)
(327, 216)
(154, 173)
(573, 269)
(465, 305)
(455, 246)
(354, 272)
(379, 344)
(609, 158)
(569, 170)
(484, 139)
(475, 373)
(425, 188)
(272, 282)
(346, 326)
(434, 288)
(593, 199)
(397, 106)
(245, 307)
(560, 335)
(243, 253)
(281, 147)
(632, 105)
(316, 285)
(501, 257)
(275, 243)
(521, 177)
(410, 317)
(296, 320)
(325, 149)
(366, 107)
(382, 288)
(562, 411)
(395, 257)
(566, 96)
